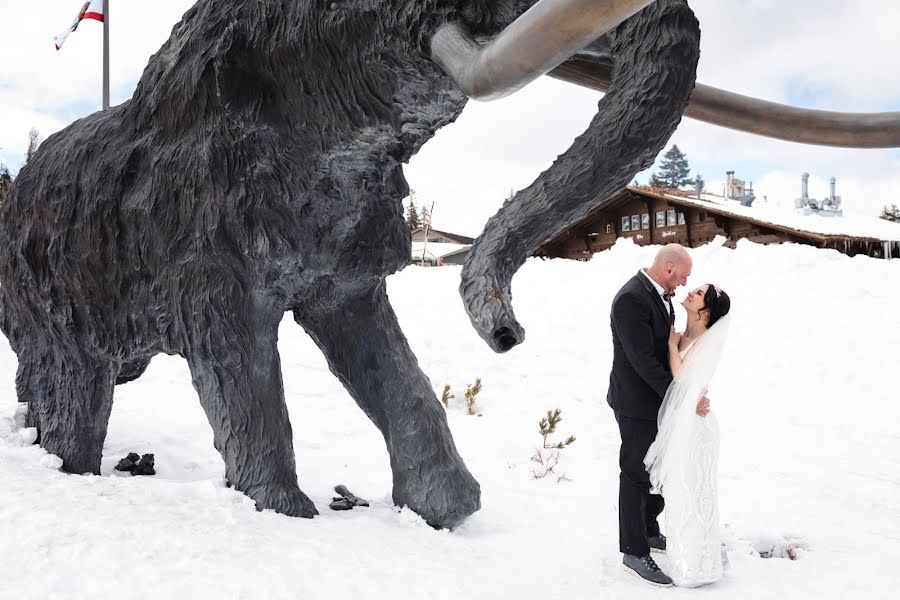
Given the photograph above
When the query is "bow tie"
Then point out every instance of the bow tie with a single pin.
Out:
(667, 296)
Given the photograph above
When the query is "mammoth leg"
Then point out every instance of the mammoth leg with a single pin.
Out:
(236, 371)
(69, 395)
(358, 333)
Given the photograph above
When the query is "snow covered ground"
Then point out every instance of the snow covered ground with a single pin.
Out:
(806, 394)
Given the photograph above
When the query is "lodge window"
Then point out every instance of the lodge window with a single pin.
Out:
(660, 219)
(702, 216)
(645, 221)
(670, 217)
(635, 222)
(626, 223)
(681, 219)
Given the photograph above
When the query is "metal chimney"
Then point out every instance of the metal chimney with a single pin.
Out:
(833, 181)
(805, 179)
(729, 176)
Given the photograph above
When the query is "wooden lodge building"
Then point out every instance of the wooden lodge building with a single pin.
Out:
(655, 216)
(421, 234)
(433, 248)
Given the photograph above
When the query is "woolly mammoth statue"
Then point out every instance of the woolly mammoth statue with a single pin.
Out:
(257, 169)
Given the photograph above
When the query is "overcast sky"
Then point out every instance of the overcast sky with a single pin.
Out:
(827, 54)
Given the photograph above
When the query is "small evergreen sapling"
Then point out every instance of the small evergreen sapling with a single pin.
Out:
(471, 396)
(446, 396)
(471, 392)
(549, 454)
(548, 427)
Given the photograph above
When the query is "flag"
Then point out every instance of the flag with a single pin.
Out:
(92, 9)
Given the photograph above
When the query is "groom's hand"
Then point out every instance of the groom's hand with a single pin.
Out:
(703, 406)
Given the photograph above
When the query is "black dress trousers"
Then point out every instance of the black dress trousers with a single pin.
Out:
(638, 508)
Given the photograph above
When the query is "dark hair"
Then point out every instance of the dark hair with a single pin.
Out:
(717, 303)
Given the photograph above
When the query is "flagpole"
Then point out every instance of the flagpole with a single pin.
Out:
(106, 54)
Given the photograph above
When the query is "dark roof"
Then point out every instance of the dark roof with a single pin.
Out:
(459, 239)
(455, 252)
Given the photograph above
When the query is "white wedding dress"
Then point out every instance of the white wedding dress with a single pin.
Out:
(683, 466)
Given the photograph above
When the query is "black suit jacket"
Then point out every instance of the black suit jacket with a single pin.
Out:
(640, 374)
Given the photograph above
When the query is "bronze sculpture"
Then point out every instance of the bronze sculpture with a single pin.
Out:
(257, 169)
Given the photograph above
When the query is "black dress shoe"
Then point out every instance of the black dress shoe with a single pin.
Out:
(657, 543)
(347, 500)
(144, 466)
(129, 462)
(645, 568)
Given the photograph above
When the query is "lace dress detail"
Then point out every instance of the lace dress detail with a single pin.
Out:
(693, 545)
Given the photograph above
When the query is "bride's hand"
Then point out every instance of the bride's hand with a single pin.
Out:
(674, 338)
(703, 406)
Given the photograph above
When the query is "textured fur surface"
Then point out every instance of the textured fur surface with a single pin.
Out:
(258, 169)
(654, 58)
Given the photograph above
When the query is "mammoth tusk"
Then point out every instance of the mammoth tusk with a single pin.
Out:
(806, 126)
(540, 39)
(761, 117)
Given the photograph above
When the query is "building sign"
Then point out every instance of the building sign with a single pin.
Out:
(667, 234)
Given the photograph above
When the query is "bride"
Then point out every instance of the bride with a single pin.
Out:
(683, 460)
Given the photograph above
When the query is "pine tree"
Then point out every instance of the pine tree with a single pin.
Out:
(5, 182)
(891, 214)
(424, 216)
(34, 140)
(509, 197)
(699, 183)
(412, 216)
(674, 171)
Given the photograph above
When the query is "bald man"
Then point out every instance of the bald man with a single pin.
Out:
(642, 316)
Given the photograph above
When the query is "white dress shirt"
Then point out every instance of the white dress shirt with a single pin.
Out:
(659, 289)
(667, 302)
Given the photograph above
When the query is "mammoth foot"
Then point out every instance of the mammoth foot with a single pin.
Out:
(80, 449)
(291, 502)
(443, 497)
(78, 459)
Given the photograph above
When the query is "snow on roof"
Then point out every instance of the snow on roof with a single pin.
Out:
(435, 249)
(848, 224)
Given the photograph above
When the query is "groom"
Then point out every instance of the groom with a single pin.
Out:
(642, 316)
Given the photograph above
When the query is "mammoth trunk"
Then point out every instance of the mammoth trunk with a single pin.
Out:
(654, 59)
